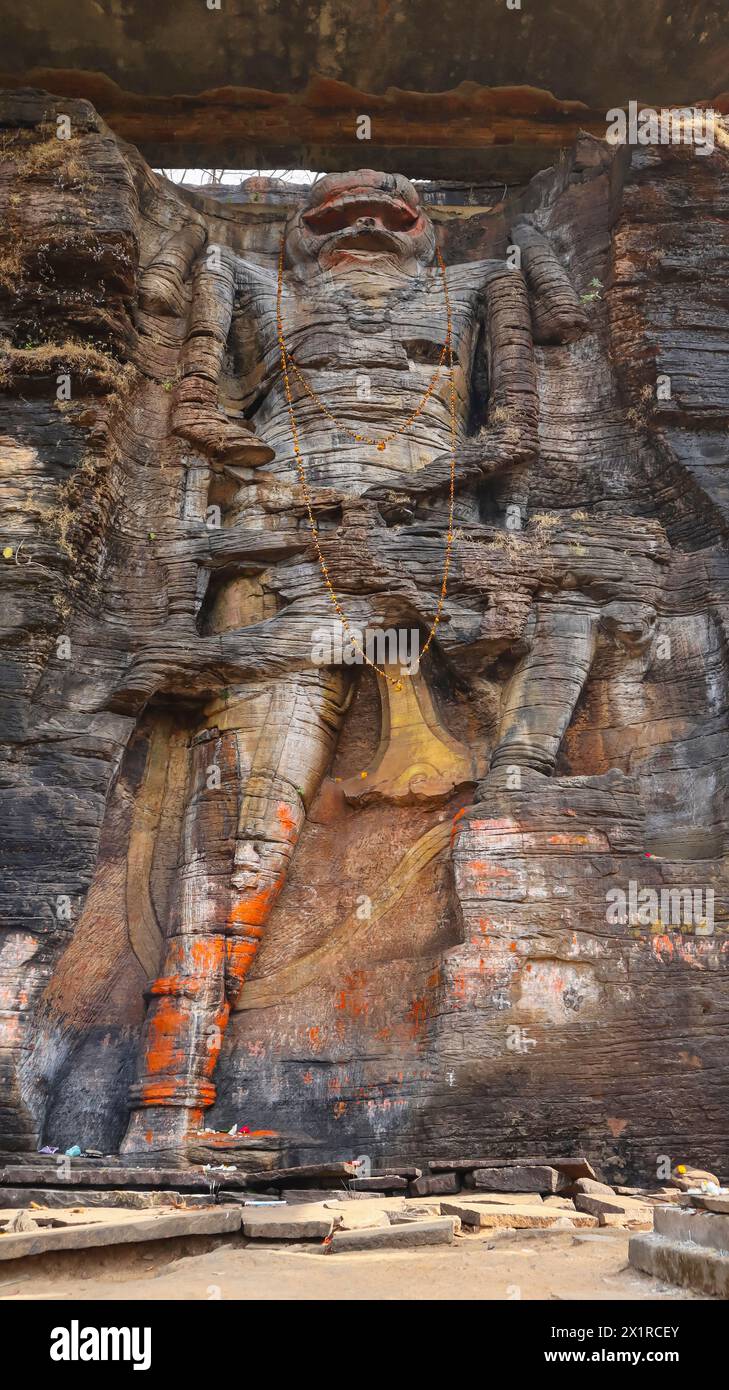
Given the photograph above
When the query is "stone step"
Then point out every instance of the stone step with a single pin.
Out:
(691, 1266)
(703, 1228)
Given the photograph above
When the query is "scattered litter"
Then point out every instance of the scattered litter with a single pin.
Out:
(73, 1152)
(48, 1149)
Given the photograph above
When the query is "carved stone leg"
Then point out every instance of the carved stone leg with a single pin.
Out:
(283, 740)
(541, 697)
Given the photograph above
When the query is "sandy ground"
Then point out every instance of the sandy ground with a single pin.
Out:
(522, 1265)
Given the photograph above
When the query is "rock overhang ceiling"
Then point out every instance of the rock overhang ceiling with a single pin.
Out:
(449, 93)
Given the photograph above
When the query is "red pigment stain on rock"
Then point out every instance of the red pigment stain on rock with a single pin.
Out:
(166, 1050)
(285, 818)
(500, 823)
(206, 955)
(215, 1039)
(350, 998)
(254, 908)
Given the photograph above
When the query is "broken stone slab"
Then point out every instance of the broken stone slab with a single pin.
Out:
(563, 1203)
(161, 1226)
(398, 1170)
(405, 1236)
(251, 1160)
(719, 1205)
(570, 1167)
(391, 1203)
(384, 1182)
(435, 1185)
(537, 1179)
(508, 1199)
(625, 1207)
(222, 1141)
(660, 1194)
(287, 1223)
(415, 1211)
(651, 1194)
(324, 1194)
(356, 1216)
(589, 1185)
(692, 1266)
(62, 1197)
(625, 1223)
(573, 1168)
(291, 1177)
(80, 1175)
(494, 1216)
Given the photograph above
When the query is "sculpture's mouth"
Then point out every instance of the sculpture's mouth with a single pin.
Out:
(366, 238)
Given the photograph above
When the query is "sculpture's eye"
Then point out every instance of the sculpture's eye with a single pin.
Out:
(391, 213)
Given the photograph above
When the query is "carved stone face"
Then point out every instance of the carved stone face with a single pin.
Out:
(358, 219)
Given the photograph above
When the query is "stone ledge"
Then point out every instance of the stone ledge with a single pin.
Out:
(690, 1266)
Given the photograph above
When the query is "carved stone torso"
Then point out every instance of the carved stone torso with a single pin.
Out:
(368, 345)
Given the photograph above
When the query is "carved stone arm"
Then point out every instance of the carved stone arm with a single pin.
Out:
(557, 314)
(508, 440)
